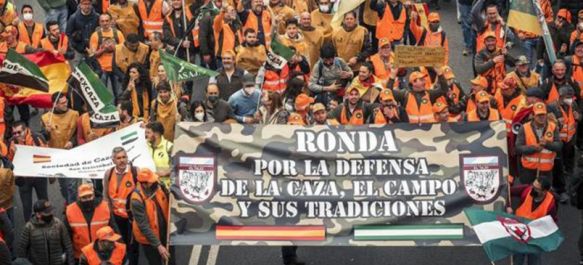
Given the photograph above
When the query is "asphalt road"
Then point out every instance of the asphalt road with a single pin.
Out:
(569, 220)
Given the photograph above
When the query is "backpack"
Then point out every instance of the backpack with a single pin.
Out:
(100, 38)
(424, 35)
(134, 172)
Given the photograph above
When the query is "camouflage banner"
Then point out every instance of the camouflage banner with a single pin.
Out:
(398, 185)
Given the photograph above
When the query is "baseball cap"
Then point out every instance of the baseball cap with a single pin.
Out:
(433, 17)
(146, 175)
(248, 80)
(84, 190)
(482, 96)
(295, 119)
(522, 60)
(384, 41)
(438, 107)
(43, 206)
(107, 233)
(448, 72)
(302, 101)
(416, 75)
(539, 108)
(318, 107)
(386, 94)
(566, 91)
(564, 13)
(535, 92)
(489, 34)
(480, 81)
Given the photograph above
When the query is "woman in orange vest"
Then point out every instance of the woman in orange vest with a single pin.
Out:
(149, 206)
(537, 143)
(83, 231)
(105, 245)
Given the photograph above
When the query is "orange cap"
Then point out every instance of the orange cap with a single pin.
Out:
(416, 75)
(482, 96)
(107, 233)
(295, 119)
(146, 175)
(539, 108)
(509, 83)
(85, 189)
(489, 34)
(433, 17)
(383, 42)
(448, 72)
(438, 107)
(564, 13)
(480, 81)
(303, 101)
(386, 94)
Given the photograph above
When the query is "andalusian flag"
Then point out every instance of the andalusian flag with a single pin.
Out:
(504, 234)
(97, 97)
(523, 17)
(179, 70)
(18, 71)
(54, 69)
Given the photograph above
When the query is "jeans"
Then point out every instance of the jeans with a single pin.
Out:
(115, 88)
(531, 259)
(467, 31)
(25, 191)
(530, 46)
(59, 15)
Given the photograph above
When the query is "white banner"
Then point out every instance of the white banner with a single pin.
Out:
(90, 160)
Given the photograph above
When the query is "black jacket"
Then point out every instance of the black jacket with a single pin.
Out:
(45, 244)
(80, 28)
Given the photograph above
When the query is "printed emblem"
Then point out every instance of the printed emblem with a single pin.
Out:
(513, 107)
(128, 184)
(196, 178)
(424, 101)
(519, 231)
(481, 177)
(358, 115)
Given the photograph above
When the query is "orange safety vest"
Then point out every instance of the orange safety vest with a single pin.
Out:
(274, 81)
(388, 27)
(116, 258)
(89, 133)
(195, 31)
(553, 94)
(379, 117)
(494, 75)
(454, 95)
(153, 21)
(525, 209)
(497, 32)
(37, 34)
(20, 47)
(104, 6)
(470, 105)
(118, 195)
(507, 112)
(48, 45)
(84, 232)
(253, 22)
(357, 117)
(569, 126)
(577, 70)
(380, 69)
(150, 204)
(492, 116)
(543, 160)
(422, 113)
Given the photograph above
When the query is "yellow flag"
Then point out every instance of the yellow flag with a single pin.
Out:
(344, 7)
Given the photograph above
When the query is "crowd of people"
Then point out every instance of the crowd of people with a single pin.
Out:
(338, 75)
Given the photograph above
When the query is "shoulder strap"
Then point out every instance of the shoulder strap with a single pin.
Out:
(110, 174)
(405, 99)
(115, 36)
(422, 39)
(134, 171)
(442, 38)
(99, 37)
(35, 140)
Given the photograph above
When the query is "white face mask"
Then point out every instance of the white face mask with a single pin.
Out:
(199, 116)
(324, 8)
(568, 101)
(27, 16)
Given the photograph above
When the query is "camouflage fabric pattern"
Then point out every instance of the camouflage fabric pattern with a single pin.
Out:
(236, 146)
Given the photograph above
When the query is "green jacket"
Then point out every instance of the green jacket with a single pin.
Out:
(52, 4)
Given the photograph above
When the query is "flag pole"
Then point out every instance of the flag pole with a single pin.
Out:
(185, 29)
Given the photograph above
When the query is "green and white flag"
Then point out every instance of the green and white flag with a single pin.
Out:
(504, 234)
(279, 54)
(179, 70)
(409, 232)
(19, 71)
(97, 97)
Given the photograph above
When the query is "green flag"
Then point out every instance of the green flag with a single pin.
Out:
(19, 71)
(180, 70)
(281, 49)
(97, 97)
(522, 16)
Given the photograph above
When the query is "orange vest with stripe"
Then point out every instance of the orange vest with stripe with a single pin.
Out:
(553, 94)
(492, 116)
(543, 160)
(497, 32)
(419, 114)
(253, 22)
(37, 34)
(569, 126)
(357, 117)
(577, 70)
(150, 204)
(48, 45)
(380, 69)
(507, 112)
(118, 195)
(117, 256)
(276, 81)
(525, 209)
(389, 27)
(152, 21)
(83, 232)
(195, 31)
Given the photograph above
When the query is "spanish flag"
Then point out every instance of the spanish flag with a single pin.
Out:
(523, 17)
(54, 68)
(271, 233)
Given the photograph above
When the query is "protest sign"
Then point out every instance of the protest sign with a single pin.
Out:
(414, 56)
(90, 160)
(398, 185)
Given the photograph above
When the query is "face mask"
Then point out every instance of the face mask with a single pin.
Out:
(249, 90)
(107, 246)
(46, 218)
(534, 193)
(213, 99)
(433, 27)
(199, 116)
(27, 16)
(568, 101)
(86, 204)
(324, 8)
